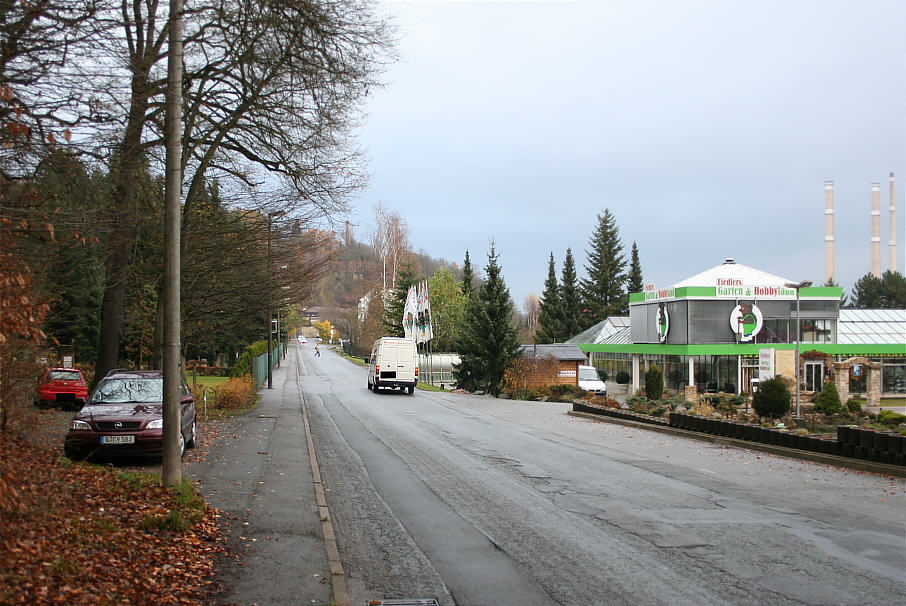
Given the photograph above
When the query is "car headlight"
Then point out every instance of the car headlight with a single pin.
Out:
(156, 424)
(79, 425)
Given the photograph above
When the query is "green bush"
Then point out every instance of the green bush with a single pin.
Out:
(244, 364)
(854, 406)
(772, 398)
(654, 382)
(623, 378)
(828, 401)
(891, 418)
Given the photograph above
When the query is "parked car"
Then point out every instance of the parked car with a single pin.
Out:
(589, 380)
(64, 386)
(124, 416)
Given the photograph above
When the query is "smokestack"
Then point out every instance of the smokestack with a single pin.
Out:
(828, 231)
(893, 227)
(876, 229)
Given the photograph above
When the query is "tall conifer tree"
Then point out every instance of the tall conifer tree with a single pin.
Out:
(549, 318)
(488, 341)
(603, 292)
(467, 277)
(635, 282)
(570, 300)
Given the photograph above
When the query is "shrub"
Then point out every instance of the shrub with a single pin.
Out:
(772, 398)
(654, 382)
(623, 378)
(828, 401)
(235, 393)
(891, 418)
(854, 406)
(244, 364)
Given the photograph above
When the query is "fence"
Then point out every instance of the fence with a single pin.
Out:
(259, 365)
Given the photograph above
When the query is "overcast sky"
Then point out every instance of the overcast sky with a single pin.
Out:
(708, 128)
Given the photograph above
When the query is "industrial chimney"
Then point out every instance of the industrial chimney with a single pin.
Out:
(893, 227)
(828, 231)
(876, 229)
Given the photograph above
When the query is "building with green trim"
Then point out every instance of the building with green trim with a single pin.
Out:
(724, 329)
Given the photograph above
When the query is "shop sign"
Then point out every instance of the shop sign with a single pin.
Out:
(566, 373)
(856, 371)
(746, 321)
(734, 287)
(652, 293)
(663, 323)
(765, 364)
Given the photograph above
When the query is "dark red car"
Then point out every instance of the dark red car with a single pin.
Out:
(124, 416)
(64, 386)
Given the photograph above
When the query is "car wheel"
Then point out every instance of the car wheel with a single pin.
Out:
(182, 445)
(72, 455)
(192, 435)
(411, 389)
(375, 387)
(369, 384)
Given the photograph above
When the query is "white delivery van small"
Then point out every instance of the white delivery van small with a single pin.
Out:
(589, 380)
(393, 363)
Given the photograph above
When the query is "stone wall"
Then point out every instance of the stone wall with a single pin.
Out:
(872, 379)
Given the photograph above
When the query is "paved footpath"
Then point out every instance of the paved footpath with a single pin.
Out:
(260, 477)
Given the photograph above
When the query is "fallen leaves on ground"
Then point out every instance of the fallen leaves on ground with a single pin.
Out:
(70, 534)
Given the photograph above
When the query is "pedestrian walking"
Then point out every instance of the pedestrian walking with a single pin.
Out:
(317, 351)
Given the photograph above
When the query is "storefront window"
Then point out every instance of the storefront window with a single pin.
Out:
(776, 330)
(816, 331)
(893, 376)
(716, 373)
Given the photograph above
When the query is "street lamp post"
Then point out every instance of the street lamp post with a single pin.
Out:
(797, 286)
(270, 301)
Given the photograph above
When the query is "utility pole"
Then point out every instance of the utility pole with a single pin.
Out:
(171, 469)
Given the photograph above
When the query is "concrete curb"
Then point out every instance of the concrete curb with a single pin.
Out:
(793, 453)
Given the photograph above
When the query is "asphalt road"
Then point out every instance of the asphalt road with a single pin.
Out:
(474, 500)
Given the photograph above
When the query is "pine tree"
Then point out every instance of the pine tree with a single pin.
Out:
(467, 277)
(893, 290)
(635, 282)
(396, 303)
(549, 319)
(867, 292)
(603, 291)
(487, 343)
(570, 299)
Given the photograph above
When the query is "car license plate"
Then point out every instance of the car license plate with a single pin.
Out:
(117, 439)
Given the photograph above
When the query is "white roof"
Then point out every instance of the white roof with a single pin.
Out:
(729, 272)
(872, 326)
(603, 331)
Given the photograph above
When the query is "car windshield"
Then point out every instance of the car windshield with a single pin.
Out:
(64, 375)
(588, 374)
(119, 391)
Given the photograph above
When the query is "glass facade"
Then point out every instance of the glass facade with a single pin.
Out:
(893, 376)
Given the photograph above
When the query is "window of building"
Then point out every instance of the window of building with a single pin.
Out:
(816, 331)
(857, 379)
(893, 376)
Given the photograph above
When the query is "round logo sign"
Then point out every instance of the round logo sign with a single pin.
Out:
(663, 322)
(746, 321)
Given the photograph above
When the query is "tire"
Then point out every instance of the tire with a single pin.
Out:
(375, 387)
(182, 445)
(369, 384)
(411, 389)
(193, 435)
(73, 455)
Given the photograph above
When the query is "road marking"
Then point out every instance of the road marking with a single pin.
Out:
(337, 576)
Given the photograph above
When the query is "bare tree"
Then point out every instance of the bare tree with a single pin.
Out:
(390, 241)
(532, 309)
(271, 92)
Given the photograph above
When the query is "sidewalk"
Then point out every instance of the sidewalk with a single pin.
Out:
(260, 478)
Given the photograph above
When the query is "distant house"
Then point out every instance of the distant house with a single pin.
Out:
(554, 364)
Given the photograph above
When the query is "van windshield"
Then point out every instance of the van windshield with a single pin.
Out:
(588, 374)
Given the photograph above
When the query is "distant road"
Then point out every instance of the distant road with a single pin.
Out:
(475, 500)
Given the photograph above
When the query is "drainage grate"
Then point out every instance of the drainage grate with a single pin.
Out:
(406, 602)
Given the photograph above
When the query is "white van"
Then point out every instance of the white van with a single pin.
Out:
(393, 363)
(589, 380)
